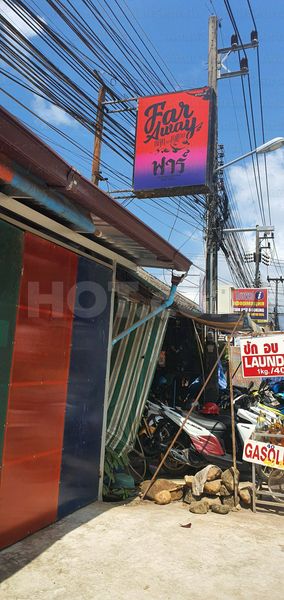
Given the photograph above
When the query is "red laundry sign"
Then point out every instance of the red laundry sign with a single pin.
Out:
(263, 357)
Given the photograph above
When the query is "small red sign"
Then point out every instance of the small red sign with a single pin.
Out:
(263, 357)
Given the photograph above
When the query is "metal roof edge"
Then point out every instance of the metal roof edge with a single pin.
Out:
(20, 144)
(180, 301)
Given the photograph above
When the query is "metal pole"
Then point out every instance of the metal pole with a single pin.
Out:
(233, 424)
(98, 136)
(277, 280)
(257, 257)
(276, 306)
(237, 229)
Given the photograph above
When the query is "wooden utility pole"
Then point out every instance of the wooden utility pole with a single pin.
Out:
(98, 136)
(211, 265)
(211, 230)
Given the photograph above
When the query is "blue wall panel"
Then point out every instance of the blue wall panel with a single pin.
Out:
(85, 399)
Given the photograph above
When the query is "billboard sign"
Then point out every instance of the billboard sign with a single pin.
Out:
(253, 300)
(263, 356)
(173, 149)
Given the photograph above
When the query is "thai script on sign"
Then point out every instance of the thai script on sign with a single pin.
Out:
(263, 357)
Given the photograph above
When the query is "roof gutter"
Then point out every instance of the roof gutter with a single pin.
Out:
(55, 203)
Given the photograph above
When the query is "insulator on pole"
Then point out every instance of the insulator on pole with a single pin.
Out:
(244, 64)
(254, 37)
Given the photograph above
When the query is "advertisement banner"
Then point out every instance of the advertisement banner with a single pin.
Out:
(173, 153)
(264, 454)
(253, 300)
(263, 356)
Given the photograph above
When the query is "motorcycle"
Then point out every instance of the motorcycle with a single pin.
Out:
(205, 439)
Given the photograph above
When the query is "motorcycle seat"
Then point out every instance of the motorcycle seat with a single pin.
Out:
(210, 422)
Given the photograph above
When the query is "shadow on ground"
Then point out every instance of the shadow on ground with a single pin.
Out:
(16, 557)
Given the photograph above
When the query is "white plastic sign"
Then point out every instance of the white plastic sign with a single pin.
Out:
(263, 356)
(263, 454)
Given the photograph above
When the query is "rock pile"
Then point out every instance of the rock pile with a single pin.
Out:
(210, 489)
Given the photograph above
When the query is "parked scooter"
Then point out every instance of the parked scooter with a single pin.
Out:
(205, 439)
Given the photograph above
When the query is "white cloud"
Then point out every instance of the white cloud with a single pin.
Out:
(20, 24)
(242, 179)
(51, 113)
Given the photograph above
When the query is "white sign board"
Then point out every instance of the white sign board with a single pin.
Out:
(263, 454)
(263, 356)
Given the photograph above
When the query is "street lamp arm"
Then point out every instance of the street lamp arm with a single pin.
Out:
(232, 162)
(270, 146)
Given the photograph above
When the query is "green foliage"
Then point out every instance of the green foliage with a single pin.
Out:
(114, 461)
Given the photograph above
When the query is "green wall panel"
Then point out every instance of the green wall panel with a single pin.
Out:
(11, 250)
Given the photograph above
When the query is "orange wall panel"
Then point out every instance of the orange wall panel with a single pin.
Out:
(38, 389)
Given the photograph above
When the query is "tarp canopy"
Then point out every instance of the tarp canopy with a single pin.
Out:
(226, 322)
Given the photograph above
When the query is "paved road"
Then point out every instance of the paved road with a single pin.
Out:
(139, 551)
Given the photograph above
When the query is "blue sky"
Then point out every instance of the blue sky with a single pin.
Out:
(179, 32)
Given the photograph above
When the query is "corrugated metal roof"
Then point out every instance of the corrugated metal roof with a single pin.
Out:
(118, 228)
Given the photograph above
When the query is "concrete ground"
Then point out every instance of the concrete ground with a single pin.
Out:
(139, 551)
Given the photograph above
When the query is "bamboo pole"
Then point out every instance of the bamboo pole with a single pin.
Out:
(194, 404)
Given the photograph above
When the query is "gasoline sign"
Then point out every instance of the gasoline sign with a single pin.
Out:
(263, 356)
(264, 454)
(174, 149)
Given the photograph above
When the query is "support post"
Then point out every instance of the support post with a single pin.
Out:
(233, 424)
(98, 136)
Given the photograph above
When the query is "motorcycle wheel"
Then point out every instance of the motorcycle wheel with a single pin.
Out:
(263, 474)
(137, 464)
(172, 467)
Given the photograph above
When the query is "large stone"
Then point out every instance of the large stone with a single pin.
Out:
(176, 494)
(224, 491)
(200, 507)
(214, 473)
(212, 487)
(229, 501)
(212, 500)
(228, 478)
(163, 497)
(188, 480)
(220, 509)
(245, 496)
(237, 508)
(188, 496)
(161, 485)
